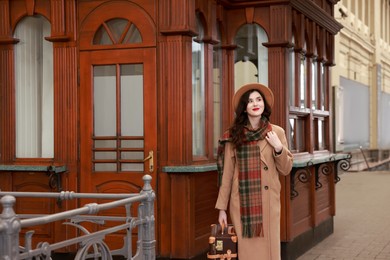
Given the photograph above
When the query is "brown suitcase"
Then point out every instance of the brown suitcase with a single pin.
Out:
(222, 245)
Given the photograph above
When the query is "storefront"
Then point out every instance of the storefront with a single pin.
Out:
(109, 90)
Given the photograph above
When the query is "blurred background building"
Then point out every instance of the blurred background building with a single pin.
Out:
(361, 81)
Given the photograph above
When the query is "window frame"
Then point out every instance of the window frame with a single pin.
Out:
(217, 54)
(308, 113)
(203, 59)
(209, 44)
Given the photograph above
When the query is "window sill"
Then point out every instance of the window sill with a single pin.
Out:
(190, 168)
(307, 161)
(33, 168)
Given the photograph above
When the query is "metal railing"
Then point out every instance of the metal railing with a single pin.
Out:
(89, 244)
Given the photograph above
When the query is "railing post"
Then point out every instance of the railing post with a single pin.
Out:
(9, 230)
(147, 229)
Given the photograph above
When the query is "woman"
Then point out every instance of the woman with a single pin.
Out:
(251, 155)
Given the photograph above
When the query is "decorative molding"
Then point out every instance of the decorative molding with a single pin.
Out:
(4, 19)
(249, 14)
(7, 106)
(58, 38)
(317, 14)
(285, 44)
(177, 17)
(30, 6)
(9, 40)
(250, 3)
(280, 20)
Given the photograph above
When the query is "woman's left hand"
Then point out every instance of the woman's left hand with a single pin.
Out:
(274, 141)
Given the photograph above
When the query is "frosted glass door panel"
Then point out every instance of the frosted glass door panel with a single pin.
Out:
(118, 113)
(132, 113)
(104, 100)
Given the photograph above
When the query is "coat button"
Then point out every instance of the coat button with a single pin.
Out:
(266, 187)
(266, 168)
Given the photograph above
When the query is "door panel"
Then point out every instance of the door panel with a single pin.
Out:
(117, 123)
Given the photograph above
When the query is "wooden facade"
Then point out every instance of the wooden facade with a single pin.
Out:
(153, 48)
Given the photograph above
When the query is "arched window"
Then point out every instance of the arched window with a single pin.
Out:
(34, 89)
(251, 56)
(198, 93)
(117, 31)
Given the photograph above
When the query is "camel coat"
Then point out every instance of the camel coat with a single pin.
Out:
(267, 247)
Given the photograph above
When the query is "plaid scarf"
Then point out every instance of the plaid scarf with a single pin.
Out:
(249, 167)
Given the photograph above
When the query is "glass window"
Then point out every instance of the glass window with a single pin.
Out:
(217, 86)
(105, 100)
(34, 90)
(314, 86)
(117, 31)
(297, 133)
(198, 94)
(319, 125)
(251, 56)
(322, 87)
(132, 97)
(291, 76)
(302, 82)
(308, 115)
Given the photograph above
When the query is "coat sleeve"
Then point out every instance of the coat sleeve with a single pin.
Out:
(283, 161)
(227, 178)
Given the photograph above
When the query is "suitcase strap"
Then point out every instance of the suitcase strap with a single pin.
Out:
(227, 256)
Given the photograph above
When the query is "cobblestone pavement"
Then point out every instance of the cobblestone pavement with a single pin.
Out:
(362, 221)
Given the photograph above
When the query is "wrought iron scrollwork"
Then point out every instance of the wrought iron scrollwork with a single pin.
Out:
(325, 169)
(322, 165)
(344, 165)
(302, 175)
(55, 181)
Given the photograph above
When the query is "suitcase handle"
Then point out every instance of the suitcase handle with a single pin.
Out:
(225, 231)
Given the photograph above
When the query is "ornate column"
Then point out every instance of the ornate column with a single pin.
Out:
(7, 122)
(177, 26)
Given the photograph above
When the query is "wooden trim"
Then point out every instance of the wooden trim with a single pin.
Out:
(7, 106)
(138, 16)
(9, 40)
(316, 13)
(59, 38)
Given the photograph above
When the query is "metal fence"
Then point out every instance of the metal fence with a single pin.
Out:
(89, 244)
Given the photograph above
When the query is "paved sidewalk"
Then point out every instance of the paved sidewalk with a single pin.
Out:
(362, 221)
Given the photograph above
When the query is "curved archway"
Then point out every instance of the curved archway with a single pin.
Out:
(113, 10)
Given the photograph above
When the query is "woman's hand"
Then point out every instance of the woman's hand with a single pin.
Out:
(222, 218)
(274, 141)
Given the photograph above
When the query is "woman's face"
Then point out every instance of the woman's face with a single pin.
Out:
(255, 107)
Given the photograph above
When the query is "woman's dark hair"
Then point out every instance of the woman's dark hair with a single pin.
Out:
(241, 119)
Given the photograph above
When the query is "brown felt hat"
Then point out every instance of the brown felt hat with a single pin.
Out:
(265, 91)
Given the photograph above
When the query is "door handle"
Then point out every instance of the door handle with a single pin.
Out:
(150, 158)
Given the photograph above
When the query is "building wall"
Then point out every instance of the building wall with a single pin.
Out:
(302, 30)
(362, 58)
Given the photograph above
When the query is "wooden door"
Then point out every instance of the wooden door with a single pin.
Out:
(117, 121)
